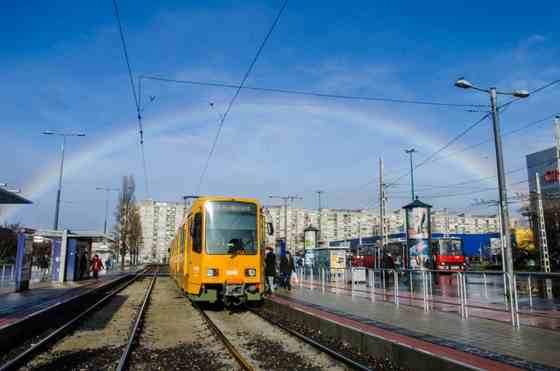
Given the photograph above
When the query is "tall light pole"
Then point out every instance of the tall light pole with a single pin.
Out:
(286, 199)
(411, 152)
(107, 190)
(504, 212)
(59, 191)
(319, 212)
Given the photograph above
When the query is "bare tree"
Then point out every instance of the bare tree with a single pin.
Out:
(135, 233)
(128, 230)
(8, 241)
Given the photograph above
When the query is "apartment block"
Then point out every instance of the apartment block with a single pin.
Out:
(159, 223)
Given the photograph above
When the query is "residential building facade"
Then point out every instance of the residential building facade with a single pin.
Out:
(341, 224)
(161, 219)
(159, 223)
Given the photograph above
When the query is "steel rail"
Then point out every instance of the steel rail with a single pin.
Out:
(123, 362)
(35, 348)
(323, 348)
(243, 362)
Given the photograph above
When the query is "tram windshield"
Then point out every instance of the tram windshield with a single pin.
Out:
(231, 228)
(450, 247)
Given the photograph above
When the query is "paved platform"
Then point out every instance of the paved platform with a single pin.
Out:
(482, 343)
(549, 318)
(17, 305)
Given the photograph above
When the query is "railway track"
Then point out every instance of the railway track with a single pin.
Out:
(40, 346)
(323, 348)
(244, 351)
(243, 362)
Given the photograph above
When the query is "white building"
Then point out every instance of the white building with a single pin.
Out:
(341, 224)
(159, 223)
(161, 219)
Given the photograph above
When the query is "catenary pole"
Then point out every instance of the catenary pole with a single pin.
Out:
(411, 152)
(502, 190)
(59, 190)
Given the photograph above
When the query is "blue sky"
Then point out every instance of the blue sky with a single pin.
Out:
(62, 68)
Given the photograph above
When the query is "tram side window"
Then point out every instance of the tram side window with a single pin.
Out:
(197, 233)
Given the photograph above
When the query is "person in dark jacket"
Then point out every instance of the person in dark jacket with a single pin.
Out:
(270, 268)
(286, 268)
(84, 266)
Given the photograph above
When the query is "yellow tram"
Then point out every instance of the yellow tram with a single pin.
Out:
(217, 252)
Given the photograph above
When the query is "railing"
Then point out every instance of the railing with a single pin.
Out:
(7, 274)
(481, 293)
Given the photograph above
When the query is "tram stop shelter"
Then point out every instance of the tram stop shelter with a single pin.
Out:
(11, 198)
(68, 255)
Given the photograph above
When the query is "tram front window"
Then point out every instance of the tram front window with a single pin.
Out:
(451, 248)
(231, 228)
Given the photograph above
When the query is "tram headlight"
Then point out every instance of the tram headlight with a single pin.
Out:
(213, 272)
(250, 272)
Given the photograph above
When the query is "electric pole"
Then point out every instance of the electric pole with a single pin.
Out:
(382, 209)
(410, 153)
(286, 199)
(543, 243)
(319, 212)
(502, 189)
(107, 190)
(59, 190)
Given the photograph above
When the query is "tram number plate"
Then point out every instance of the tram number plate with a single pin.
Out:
(231, 273)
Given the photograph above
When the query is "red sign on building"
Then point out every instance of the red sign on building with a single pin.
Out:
(551, 176)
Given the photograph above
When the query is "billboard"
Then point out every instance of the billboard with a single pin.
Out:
(418, 235)
(417, 223)
(310, 239)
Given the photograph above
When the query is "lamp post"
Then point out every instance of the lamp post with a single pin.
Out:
(107, 190)
(411, 152)
(59, 191)
(503, 203)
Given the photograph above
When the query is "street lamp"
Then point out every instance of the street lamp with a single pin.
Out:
(59, 191)
(107, 190)
(411, 152)
(504, 212)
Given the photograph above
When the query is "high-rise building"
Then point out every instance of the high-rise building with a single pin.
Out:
(341, 224)
(161, 219)
(159, 223)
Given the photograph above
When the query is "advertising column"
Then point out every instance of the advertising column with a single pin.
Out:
(418, 234)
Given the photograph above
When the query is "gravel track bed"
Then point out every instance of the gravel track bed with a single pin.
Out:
(97, 342)
(335, 344)
(267, 346)
(175, 336)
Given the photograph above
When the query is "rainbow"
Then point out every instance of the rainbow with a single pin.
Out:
(87, 157)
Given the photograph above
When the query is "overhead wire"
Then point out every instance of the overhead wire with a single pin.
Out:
(234, 98)
(441, 149)
(135, 95)
(505, 134)
(532, 92)
(469, 128)
(312, 93)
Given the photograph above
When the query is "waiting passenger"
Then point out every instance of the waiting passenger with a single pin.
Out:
(270, 269)
(96, 265)
(84, 266)
(286, 268)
